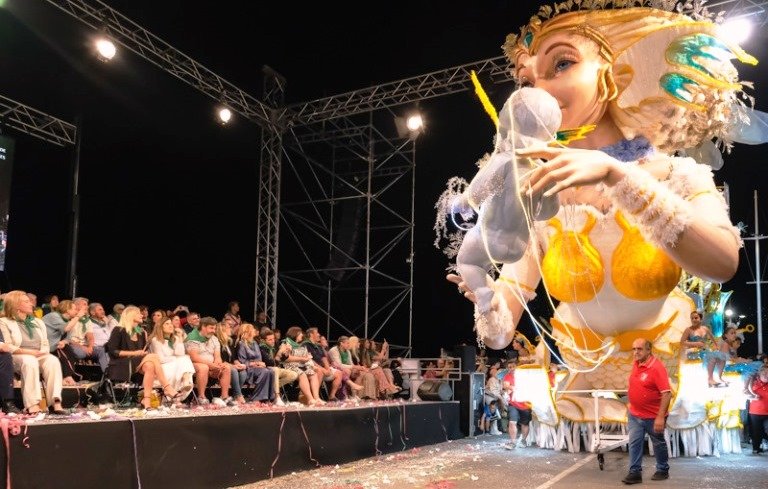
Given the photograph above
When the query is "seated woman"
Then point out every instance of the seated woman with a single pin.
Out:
(300, 361)
(168, 344)
(257, 374)
(25, 337)
(360, 373)
(372, 360)
(177, 326)
(229, 355)
(129, 359)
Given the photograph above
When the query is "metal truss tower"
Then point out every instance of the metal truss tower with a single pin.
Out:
(348, 220)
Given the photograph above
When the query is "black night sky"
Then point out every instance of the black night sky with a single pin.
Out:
(168, 196)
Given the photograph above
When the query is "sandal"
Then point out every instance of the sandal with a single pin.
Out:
(59, 411)
(170, 393)
(146, 402)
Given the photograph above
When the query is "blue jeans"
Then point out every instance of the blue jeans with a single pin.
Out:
(238, 379)
(638, 427)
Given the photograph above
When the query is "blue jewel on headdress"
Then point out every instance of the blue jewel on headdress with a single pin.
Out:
(528, 39)
(675, 85)
(688, 50)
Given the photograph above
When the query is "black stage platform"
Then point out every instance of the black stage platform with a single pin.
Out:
(215, 449)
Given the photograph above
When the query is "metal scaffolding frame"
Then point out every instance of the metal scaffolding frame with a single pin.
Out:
(324, 135)
(350, 218)
(36, 123)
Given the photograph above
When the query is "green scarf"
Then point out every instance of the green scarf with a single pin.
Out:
(137, 329)
(116, 317)
(84, 321)
(170, 341)
(345, 357)
(293, 344)
(270, 349)
(29, 323)
(196, 336)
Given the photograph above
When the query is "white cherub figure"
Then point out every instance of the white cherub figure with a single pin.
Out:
(530, 116)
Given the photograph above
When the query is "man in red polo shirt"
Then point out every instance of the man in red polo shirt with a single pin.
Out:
(649, 396)
(758, 409)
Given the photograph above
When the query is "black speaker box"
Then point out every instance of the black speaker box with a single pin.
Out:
(469, 392)
(468, 355)
(435, 390)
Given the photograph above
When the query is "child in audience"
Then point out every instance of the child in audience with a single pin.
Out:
(490, 418)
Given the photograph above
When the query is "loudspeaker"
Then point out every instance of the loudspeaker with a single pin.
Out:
(468, 355)
(435, 390)
(469, 392)
(346, 238)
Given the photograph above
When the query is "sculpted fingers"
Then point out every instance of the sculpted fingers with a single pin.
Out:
(546, 175)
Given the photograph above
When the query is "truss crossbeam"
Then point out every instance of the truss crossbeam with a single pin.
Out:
(132, 36)
(430, 85)
(36, 123)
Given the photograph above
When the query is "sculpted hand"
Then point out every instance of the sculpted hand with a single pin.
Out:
(569, 167)
(464, 290)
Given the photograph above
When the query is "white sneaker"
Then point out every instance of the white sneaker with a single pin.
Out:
(217, 401)
(508, 446)
(495, 431)
(520, 443)
(279, 402)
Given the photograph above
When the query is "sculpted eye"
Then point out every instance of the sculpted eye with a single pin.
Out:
(563, 64)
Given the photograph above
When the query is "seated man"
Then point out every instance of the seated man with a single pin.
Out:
(80, 344)
(205, 351)
(322, 363)
(273, 358)
(101, 327)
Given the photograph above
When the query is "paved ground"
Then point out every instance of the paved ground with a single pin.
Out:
(482, 463)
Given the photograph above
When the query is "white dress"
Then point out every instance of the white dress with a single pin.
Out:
(175, 361)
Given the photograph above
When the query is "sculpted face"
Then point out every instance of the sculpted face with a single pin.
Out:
(568, 67)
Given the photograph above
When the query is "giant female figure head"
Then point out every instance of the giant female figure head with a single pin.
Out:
(662, 75)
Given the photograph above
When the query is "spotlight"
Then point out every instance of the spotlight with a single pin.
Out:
(414, 122)
(728, 313)
(410, 126)
(224, 115)
(736, 30)
(105, 49)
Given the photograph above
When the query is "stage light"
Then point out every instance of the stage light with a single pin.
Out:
(224, 115)
(105, 49)
(414, 122)
(410, 126)
(728, 313)
(736, 30)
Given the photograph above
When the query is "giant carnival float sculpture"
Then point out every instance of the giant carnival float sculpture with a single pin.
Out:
(599, 191)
